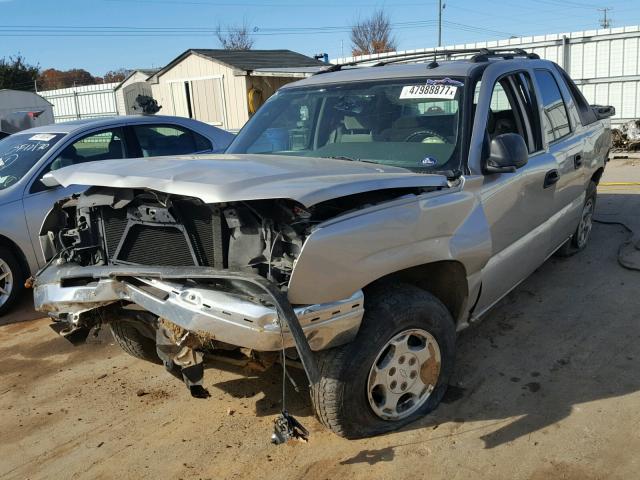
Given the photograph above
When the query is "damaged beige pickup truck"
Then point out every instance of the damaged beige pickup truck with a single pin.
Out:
(359, 220)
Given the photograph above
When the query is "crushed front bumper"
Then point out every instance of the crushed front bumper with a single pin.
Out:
(238, 318)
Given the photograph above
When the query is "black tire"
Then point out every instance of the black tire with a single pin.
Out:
(577, 243)
(340, 398)
(17, 275)
(134, 342)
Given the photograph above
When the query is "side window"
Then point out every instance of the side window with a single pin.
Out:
(503, 113)
(103, 145)
(163, 140)
(512, 109)
(526, 93)
(585, 112)
(555, 119)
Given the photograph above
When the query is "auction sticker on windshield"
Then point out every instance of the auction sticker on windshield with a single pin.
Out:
(446, 92)
(42, 137)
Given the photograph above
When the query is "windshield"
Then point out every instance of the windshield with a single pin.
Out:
(19, 152)
(412, 123)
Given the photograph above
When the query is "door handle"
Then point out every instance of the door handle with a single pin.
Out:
(577, 161)
(551, 177)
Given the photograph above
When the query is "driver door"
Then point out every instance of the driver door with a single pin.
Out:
(519, 206)
(38, 200)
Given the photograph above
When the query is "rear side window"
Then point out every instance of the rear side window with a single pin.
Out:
(585, 112)
(163, 140)
(555, 119)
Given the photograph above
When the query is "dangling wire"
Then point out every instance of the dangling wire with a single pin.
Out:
(284, 358)
(273, 245)
(284, 368)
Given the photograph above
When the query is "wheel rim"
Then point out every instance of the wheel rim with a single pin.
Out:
(404, 374)
(6, 282)
(586, 224)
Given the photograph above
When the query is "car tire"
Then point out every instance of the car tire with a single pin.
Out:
(11, 279)
(134, 342)
(580, 237)
(357, 379)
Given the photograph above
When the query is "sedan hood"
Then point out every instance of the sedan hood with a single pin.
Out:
(228, 178)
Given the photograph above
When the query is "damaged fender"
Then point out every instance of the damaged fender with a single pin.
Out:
(449, 225)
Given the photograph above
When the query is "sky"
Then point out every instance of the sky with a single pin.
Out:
(103, 35)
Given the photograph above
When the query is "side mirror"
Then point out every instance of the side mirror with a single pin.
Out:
(48, 181)
(603, 111)
(507, 152)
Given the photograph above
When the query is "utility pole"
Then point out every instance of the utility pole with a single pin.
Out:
(440, 7)
(605, 21)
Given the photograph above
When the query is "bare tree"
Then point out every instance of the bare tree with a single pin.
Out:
(373, 35)
(235, 37)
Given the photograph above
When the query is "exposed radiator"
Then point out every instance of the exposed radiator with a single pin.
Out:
(200, 241)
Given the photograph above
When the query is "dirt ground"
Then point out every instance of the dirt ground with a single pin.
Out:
(547, 386)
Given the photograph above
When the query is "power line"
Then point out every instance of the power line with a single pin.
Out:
(135, 28)
(136, 31)
(73, 31)
(260, 4)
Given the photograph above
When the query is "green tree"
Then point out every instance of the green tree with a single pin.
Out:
(17, 74)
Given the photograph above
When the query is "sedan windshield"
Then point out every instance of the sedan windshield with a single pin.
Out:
(412, 123)
(20, 152)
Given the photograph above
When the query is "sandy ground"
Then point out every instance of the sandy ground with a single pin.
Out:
(546, 387)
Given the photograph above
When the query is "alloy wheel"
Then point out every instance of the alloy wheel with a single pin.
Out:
(404, 374)
(6, 282)
(586, 224)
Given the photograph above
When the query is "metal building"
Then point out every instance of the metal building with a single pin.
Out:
(20, 110)
(605, 64)
(224, 87)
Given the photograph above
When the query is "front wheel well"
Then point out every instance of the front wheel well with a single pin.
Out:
(446, 280)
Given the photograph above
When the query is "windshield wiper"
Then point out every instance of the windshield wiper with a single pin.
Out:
(351, 159)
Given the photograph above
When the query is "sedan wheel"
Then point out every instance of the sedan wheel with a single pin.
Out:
(6, 282)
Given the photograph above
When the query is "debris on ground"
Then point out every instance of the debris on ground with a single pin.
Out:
(627, 137)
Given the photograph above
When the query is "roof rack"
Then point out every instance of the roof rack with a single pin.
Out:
(478, 55)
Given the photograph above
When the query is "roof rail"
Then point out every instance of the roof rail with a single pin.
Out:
(477, 55)
(485, 54)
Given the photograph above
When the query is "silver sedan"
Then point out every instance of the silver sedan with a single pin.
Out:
(27, 156)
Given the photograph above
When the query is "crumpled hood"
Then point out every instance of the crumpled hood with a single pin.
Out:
(228, 178)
